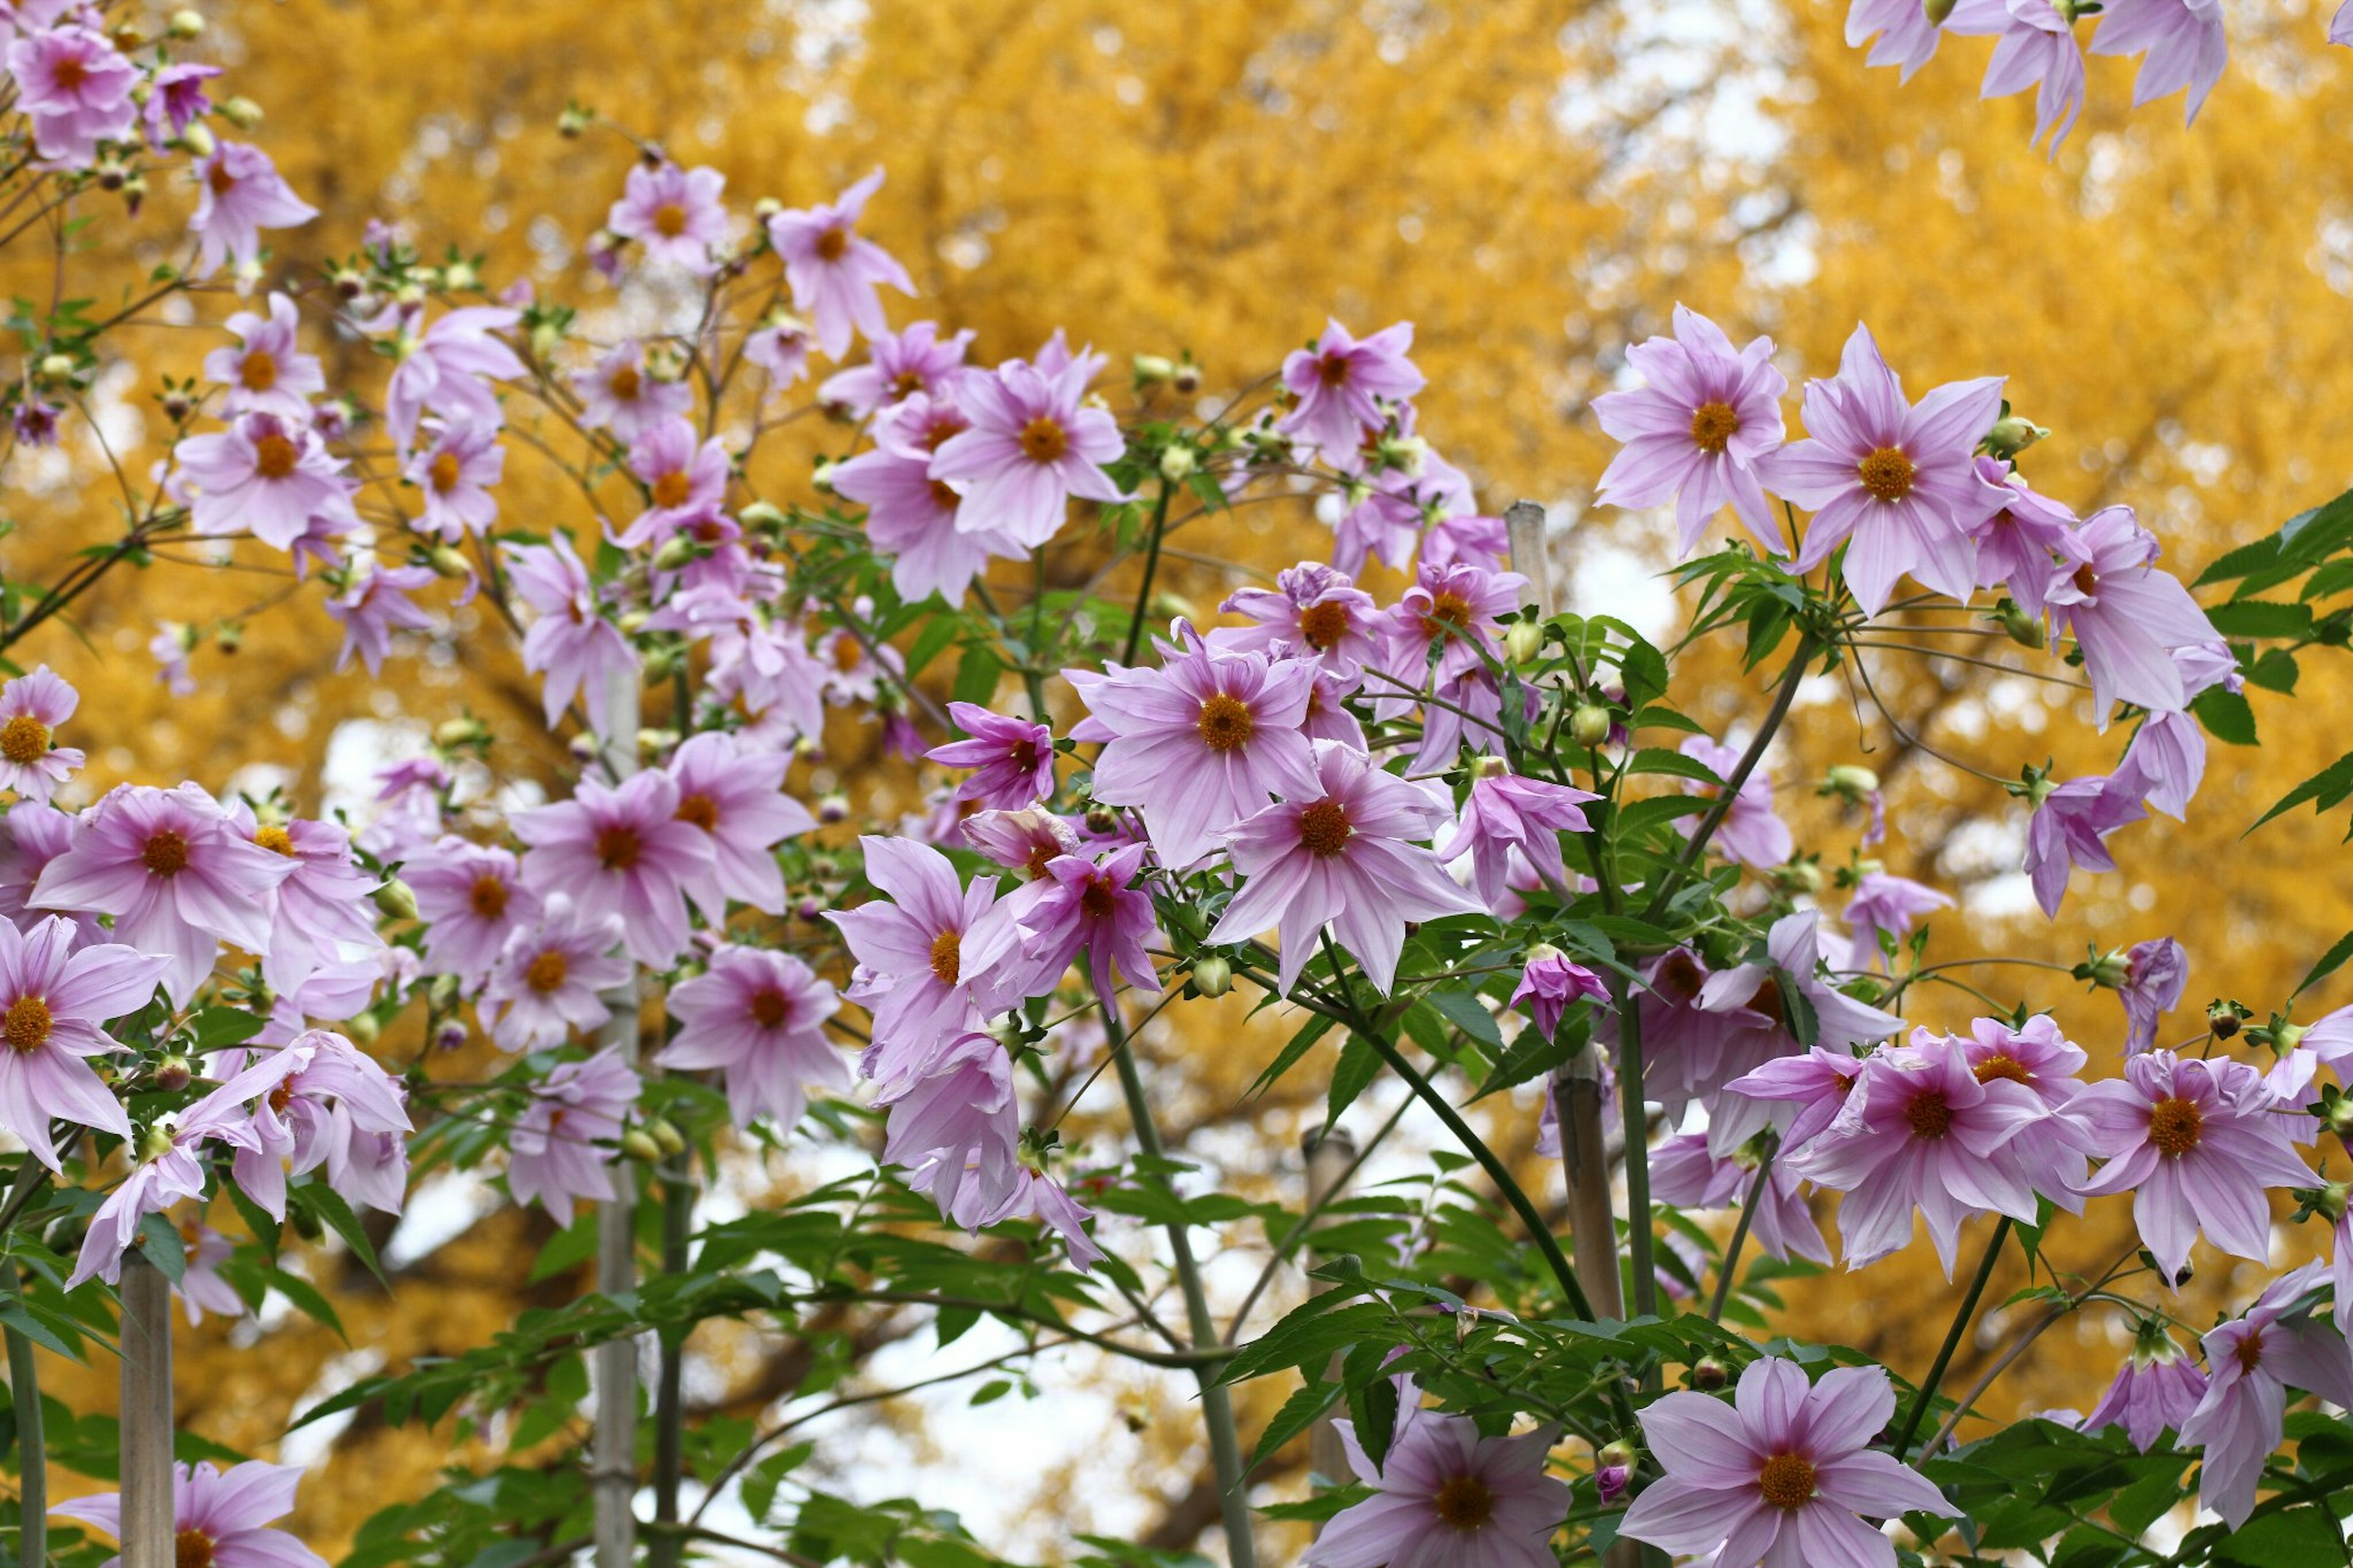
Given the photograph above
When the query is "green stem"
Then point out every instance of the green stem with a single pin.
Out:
(1217, 1400)
(1726, 1271)
(665, 1549)
(1151, 566)
(1961, 1319)
(32, 1447)
(1636, 1120)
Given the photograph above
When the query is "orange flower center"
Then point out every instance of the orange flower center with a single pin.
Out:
(27, 1024)
(166, 853)
(547, 972)
(2173, 1125)
(488, 896)
(769, 1008)
(445, 472)
(1464, 1502)
(944, 496)
(1098, 899)
(2087, 580)
(1446, 610)
(1043, 441)
(1786, 1481)
(1332, 369)
(625, 384)
(847, 652)
(1713, 424)
(1887, 474)
(192, 1549)
(702, 811)
(1224, 723)
(672, 489)
(906, 383)
(618, 847)
(1930, 1116)
(275, 839)
(274, 456)
(221, 181)
(670, 220)
(259, 372)
(833, 244)
(1324, 625)
(1323, 828)
(947, 957)
(68, 74)
(23, 740)
(2250, 1352)
(2009, 1067)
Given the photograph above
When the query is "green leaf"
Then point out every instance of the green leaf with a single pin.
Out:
(2275, 670)
(2293, 1537)
(1298, 1414)
(2226, 715)
(2262, 618)
(1464, 1011)
(2330, 962)
(160, 1239)
(217, 1028)
(1355, 1072)
(976, 675)
(308, 1301)
(1317, 1025)
(2323, 790)
(1658, 760)
(329, 1205)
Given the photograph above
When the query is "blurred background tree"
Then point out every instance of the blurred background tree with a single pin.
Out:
(1535, 186)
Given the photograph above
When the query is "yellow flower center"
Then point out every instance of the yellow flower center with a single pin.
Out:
(769, 1008)
(1464, 1502)
(1713, 424)
(444, 473)
(275, 840)
(947, 957)
(670, 220)
(1225, 724)
(166, 853)
(1043, 439)
(488, 897)
(1324, 625)
(2009, 1067)
(258, 371)
(1448, 609)
(274, 456)
(220, 182)
(672, 489)
(1928, 1114)
(1323, 828)
(702, 811)
(547, 972)
(1786, 1481)
(1887, 474)
(833, 244)
(944, 497)
(625, 384)
(192, 1549)
(27, 1025)
(847, 652)
(2173, 1125)
(618, 847)
(1332, 369)
(1098, 899)
(23, 740)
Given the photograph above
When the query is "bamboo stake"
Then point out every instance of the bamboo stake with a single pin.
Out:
(148, 1535)
(613, 1454)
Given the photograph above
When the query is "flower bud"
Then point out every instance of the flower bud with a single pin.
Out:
(1177, 463)
(1101, 820)
(575, 121)
(55, 368)
(396, 899)
(198, 139)
(364, 1029)
(1803, 874)
(2224, 1018)
(456, 735)
(449, 1036)
(1937, 10)
(667, 1137)
(2010, 435)
(175, 1073)
(2329, 1201)
(229, 637)
(241, 112)
(1152, 370)
(1524, 641)
(765, 208)
(177, 404)
(1850, 783)
(447, 561)
(1188, 379)
(305, 1223)
(185, 23)
(675, 552)
(1708, 1374)
(833, 807)
(1213, 975)
(1591, 724)
(1489, 766)
(348, 283)
(1541, 952)
(2025, 630)
(764, 517)
(461, 278)
(636, 1145)
(111, 174)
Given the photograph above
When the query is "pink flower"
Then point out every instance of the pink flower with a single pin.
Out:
(684, 482)
(2037, 49)
(556, 1152)
(1338, 382)
(2156, 974)
(2126, 613)
(294, 1126)
(2181, 41)
(1454, 610)
(674, 213)
(267, 371)
(1024, 841)
(621, 851)
(200, 1289)
(911, 517)
(1550, 983)
(2069, 828)
(1313, 611)
(2340, 26)
(578, 651)
(1504, 814)
(2016, 543)
(375, 603)
(929, 954)
(178, 99)
(956, 1129)
(368, 1168)
(1200, 742)
(178, 879)
(616, 394)
(1696, 431)
(471, 898)
(1344, 855)
(759, 1018)
(779, 346)
(1780, 1476)
(1090, 904)
(54, 1006)
(31, 707)
(1921, 1132)
(1033, 445)
(2251, 1363)
(1752, 833)
(899, 365)
(1897, 483)
(735, 795)
(1038, 1196)
(2195, 1142)
(76, 86)
(2157, 1387)
(1889, 904)
(322, 914)
(546, 980)
(445, 370)
(835, 272)
(222, 1512)
(265, 477)
(1684, 1172)
(1012, 759)
(455, 475)
(1444, 1494)
(241, 193)
(1906, 38)
(2166, 762)
(1817, 1082)
(170, 648)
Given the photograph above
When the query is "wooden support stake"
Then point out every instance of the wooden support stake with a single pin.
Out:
(149, 1537)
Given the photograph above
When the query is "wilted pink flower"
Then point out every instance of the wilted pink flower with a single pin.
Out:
(178, 99)
(2126, 613)
(621, 851)
(178, 879)
(265, 477)
(546, 980)
(758, 1017)
(170, 648)
(470, 898)
(240, 193)
(1312, 611)
(76, 86)
(2251, 1363)
(54, 1006)
(1346, 855)
(1780, 1476)
(1339, 381)
(674, 213)
(1817, 1082)
(780, 346)
(1793, 947)
(2037, 49)
(1200, 742)
(930, 954)
(446, 370)
(898, 366)
(31, 707)
(1090, 904)
(2166, 762)
(2157, 1387)
(2182, 42)
(323, 912)
(1684, 1172)
(1032, 446)
(2195, 1142)
(1503, 813)
(1012, 759)
(1038, 1196)
(1696, 432)
(556, 1152)
(369, 1169)
(373, 605)
(2069, 828)
(956, 1129)
(455, 475)
(1445, 1494)
(1890, 904)
(1895, 482)
(735, 794)
(616, 394)
(35, 421)
(1752, 833)
(2156, 974)
(267, 371)
(1024, 841)
(1550, 983)
(2015, 544)
(574, 647)
(835, 272)
(222, 1512)
(293, 1126)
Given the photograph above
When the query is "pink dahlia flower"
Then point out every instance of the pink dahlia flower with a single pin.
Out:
(911, 517)
(684, 482)
(548, 979)
(2036, 49)
(2181, 43)
(76, 86)
(455, 476)
(1024, 841)
(957, 1128)
(1816, 1083)
(375, 604)
(267, 371)
(266, 476)
(218, 1516)
(899, 365)
(1313, 611)
(446, 370)
(758, 1017)
(1550, 983)
(559, 1149)
(1444, 1494)
(1012, 759)
(1906, 38)
(570, 643)
(470, 898)
(735, 795)
(1696, 432)
(294, 1125)
(674, 213)
(2157, 1387)
(1033, 445)
(2125, 612)
(1889, 904)
(31, 707)
(1338, 382)
(616, 394)
(2070, 827)
(240, 194)
(835, 272)
(2166, 762)
(178, 99)
(55, 1003)
(2252, 1364)
(1684, 1172)
(1505, 815)
(1090, 904)
(930, 954)
(1781, 1475)
(622, 851)
(1752, 833)
(2156, 974)
(2015, 545)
